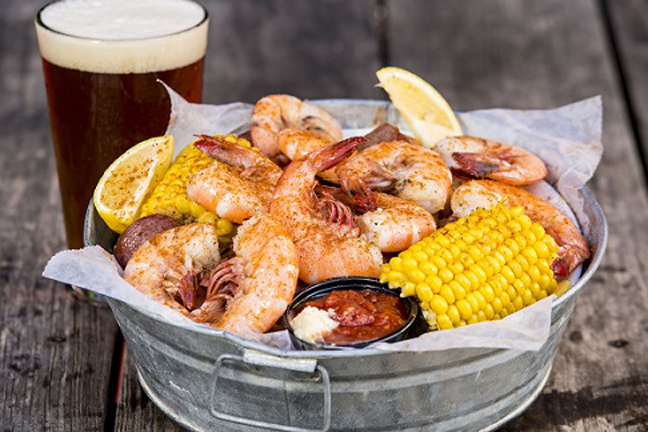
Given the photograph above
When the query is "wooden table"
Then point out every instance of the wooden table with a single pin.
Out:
(62, 362)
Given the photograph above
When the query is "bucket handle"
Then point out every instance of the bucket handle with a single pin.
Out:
(258, 359)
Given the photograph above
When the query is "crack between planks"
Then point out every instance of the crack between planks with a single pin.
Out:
(381, 23)
(622, 80)
(114, 383)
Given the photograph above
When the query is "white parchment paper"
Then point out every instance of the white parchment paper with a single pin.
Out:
(567, 138)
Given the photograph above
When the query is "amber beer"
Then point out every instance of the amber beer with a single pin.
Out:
(101, 62)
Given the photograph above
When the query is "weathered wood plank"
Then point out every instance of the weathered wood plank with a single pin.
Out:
(135, 410)
(527, 54)
(54, 351)
(316, 49)
(629, 31)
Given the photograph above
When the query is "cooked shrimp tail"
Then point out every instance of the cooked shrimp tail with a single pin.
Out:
(364, 199)
(222, 284)
(384, 133)
(476, 164)
(374, 175)
(569, 257)
(231, 153)
(327, 157)
(336, 210)
(479, 157)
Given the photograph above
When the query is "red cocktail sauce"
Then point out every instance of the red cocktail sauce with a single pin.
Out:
(363, 315)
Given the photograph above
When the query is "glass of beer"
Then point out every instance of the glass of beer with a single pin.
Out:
(102, 62)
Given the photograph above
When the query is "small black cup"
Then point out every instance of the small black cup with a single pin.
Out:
(355, 283)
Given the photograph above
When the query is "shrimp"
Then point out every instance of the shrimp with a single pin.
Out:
(238, 188)
(573, 249)
(163, 266)
(245, 294)
(407, 170)
(391, 223)
(479, 157)
(258, 284)
(326, 248)
(297, 144)
(274, 113)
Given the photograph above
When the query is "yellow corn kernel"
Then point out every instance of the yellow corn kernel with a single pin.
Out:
(464, 309)
(447, 294)
(489, 312)
(522, 262)
(396, 263)
(504, 297)
(435, 283)
(444, 322)
(438, 304)
(420, 256)
(395, 277)
(446, 275)
(428, 268)
(409, 263)
(208, 217)
(424, 292)
(488, 292)
(497, 305)
(518, 303)
(458, 290)
(453, 314)
(527, 298)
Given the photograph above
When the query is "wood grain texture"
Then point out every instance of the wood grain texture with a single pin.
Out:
(135, 411)
(314, 49)
(527, 54)
(54, 351)
(628, 20)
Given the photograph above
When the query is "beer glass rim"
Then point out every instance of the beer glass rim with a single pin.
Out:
(40, 23)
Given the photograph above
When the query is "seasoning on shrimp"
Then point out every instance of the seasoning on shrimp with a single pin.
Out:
(239, 187)
(325, 249)
(479, 157)
(245, 294)
(407, 170)
(391, 223)
(275, 113)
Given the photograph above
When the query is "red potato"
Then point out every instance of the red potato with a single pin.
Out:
(138, 233)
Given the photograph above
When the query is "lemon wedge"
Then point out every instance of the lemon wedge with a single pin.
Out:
(427, 113)
(129, 179)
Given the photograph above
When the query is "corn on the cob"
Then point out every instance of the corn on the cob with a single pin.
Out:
(170, 196)
(484, 266)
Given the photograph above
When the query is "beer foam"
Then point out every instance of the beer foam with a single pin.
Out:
(122, 36)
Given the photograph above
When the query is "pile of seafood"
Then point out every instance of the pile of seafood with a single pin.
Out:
(291, 204)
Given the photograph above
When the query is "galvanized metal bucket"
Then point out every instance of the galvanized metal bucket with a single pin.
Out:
(210, 380)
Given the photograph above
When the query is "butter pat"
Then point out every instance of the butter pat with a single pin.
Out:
(313, 323)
